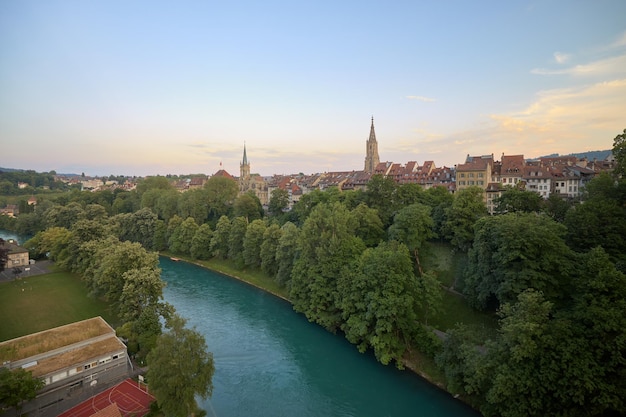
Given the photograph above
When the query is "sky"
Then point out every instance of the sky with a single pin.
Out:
(178, 87)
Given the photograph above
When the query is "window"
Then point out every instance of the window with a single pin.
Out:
(471, 175)
(462, 175)
(480, 175)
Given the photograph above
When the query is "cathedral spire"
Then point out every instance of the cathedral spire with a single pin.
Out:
(371, 151)
(245, 157)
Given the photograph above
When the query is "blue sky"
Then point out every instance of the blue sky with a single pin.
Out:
(154, 87)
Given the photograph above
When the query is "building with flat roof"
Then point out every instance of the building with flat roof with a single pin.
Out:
(76, 360)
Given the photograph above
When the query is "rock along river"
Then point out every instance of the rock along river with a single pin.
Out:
(270, 361)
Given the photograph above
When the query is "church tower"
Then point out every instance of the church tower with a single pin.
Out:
(244, 172)
(371, 151)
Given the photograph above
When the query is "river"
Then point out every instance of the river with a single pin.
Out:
(270, 361)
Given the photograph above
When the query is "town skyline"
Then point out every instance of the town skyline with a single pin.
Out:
(156, 89)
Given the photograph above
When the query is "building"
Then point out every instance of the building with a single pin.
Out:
(17, 255)
(371, 151)
(252, 182)
(475, 172)
(75, 361)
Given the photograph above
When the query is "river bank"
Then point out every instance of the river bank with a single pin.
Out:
(416, 362)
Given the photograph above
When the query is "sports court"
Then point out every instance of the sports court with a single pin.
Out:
(130, 399)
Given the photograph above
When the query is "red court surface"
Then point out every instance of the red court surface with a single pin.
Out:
(130, 399)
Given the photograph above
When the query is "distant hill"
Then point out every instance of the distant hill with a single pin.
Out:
(24, 170)
(590, 155)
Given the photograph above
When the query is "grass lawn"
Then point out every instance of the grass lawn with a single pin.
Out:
(41, 302)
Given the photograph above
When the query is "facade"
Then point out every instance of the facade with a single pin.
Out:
(371, 151)
(76, 360)
(252, 182)
(17, 255)
(475, 172)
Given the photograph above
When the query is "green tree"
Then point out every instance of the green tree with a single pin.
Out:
(378, 302)
(252, 242)
(515, 200)
(157, 182)
(468, 206)
(619, 153)
(221, 193)
(412, 225)
(513, 252)
(328, 251)
(194, 203)
(556, 207)
(238, 228)
(219, 240)
(439, 199)
(287, 252)
(248, 206)
(180, 368)
(271, 240)
(381, 195)
(181, 238)
(142, 288)
(369, 226)
(17, 386)
(106, 276)
(279, 201)
(201, 242)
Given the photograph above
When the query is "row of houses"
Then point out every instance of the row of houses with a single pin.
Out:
(565, 176)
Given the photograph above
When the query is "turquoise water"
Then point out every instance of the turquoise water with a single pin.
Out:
(270, 361)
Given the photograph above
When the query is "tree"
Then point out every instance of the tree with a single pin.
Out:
(515, 200)
(271, 240)
(412, 225)
(378, 302)
(150, 183)
(143, 288)
(619, 153)
(180, 240)
(238, 228)
(194, 203)
(369, 226)
(328, 251)
(279, 201)
(221, 193)
(17, 386)
(106, 276)
(468, 206)
(513, 252)
(219, 240)
(252, 242)
(439, 199)
(286, 252)
(180, 368)
(380, 195)
(201, 242)
(248, 206)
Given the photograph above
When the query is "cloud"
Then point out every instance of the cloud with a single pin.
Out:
(621, 41)
(564, 120)
(603, 67)
(561, 58)
(421, 98)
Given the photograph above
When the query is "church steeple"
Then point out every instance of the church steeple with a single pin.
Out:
(244, 167)
(371, 151)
